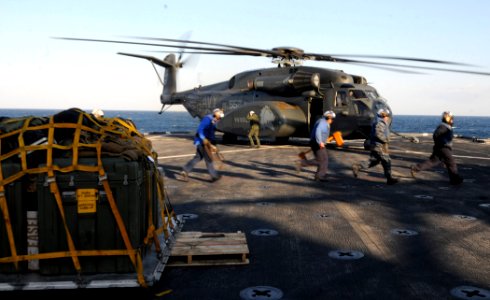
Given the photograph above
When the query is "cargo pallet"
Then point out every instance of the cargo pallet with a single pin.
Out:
(82, 204)
(208, 249)
(153, 265)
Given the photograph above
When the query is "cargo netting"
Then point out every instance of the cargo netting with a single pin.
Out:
(35, 143)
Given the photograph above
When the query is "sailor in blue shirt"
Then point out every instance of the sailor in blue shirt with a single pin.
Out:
(205, 141)
(318, 138)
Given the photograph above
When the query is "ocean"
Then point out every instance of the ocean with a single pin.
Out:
(181, 121)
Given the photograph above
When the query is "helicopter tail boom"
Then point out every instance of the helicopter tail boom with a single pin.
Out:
(170, 81)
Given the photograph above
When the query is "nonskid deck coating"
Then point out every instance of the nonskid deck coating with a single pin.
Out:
(261, 189)
(316, 222)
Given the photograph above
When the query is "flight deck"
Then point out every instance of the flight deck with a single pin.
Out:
(348, 238)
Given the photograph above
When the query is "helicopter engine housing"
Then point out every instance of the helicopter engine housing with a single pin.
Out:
(295, 83)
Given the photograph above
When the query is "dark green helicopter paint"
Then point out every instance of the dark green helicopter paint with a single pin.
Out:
(288, 98)
(288, 101)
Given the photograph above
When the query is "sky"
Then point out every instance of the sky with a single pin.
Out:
(37, 71)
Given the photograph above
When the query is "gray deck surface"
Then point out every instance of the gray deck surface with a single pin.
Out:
(419, 239)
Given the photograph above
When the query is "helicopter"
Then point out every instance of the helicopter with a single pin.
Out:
(288, 98)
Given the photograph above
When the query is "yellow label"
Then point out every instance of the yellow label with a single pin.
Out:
(87, 200)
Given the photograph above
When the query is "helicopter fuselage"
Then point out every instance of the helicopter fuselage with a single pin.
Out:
(288, 100)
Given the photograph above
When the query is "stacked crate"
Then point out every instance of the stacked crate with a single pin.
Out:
(83, 198)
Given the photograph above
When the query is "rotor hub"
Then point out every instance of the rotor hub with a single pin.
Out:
(289, 52)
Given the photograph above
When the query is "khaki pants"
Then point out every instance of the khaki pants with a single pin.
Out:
(254, 133)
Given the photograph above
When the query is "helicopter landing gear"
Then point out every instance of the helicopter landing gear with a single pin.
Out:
(161, 109)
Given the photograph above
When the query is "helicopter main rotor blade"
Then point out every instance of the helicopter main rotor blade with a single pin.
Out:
(370, 63)
(423, 60)
(338, 58)
(163, 45)
(397, 70)
(327, 57)
(231, 47)
(199, 52)
(288, 54)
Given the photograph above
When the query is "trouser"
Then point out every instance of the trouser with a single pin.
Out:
(444, 155)
(321, 156)
(201, 154)
(320, 161)
(378, 156)
(254, 133)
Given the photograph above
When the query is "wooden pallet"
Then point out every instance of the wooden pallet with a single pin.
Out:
(209, 249)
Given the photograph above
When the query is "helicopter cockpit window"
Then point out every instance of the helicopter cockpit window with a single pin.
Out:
(373, 95)
(231, 83)
(357, 94)
(362, 108)
(341, 99)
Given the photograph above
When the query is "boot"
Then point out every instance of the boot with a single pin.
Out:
(321, 179)
(392, 181)
(456, 180)
(297, 166)
(184, 176)
(413, 171)
(214, 179)
(355, 170)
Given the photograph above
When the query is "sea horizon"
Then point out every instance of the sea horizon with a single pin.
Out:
(149, 121)
(183, 110)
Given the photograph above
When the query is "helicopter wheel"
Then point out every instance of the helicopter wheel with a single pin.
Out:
(229, 138)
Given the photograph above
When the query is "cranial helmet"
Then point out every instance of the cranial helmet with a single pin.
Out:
(219, 111)
(329, 114)
(97, 112)
(382, 112)
(447, 114)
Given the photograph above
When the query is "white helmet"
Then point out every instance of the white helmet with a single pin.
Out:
(97, 112)
(383, 112)
(219, 111)
(251, 112)
(449, 115)
(329, 114)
